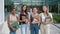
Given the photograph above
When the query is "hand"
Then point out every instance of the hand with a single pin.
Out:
(48, 22)
(24, 20)
(20, 21)
(14, 29)
(44, 23)
(34, 22)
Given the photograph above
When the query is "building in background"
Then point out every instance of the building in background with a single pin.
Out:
(53, 5)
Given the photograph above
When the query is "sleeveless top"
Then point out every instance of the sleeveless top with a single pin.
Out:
(28, 17)
(33, 19)
(13, 22)
(44, 18)
(13, 18)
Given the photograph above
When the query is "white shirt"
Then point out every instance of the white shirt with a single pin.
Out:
(43, 17)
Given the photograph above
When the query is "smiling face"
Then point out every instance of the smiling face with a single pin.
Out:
(35, 10)
(44, 8)
(24, 8)
(13, 11)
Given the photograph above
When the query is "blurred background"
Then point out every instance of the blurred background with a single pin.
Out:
(53, 5)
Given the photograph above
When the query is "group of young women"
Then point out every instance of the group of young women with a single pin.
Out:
(34, 20)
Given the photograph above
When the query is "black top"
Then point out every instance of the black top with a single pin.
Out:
(21, 18)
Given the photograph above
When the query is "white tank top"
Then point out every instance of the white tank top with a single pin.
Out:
(43, 17)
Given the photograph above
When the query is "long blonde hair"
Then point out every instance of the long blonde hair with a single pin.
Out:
(47, 10)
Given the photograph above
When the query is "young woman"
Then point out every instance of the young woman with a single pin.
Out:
(47, 19)
(24, 18)
(13, 22)
(35, 20)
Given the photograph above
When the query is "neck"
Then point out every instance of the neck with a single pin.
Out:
(34, 13)
(45, 13)
(13, 14)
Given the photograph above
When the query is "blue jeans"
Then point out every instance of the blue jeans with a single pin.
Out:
(23, 28)
(34, 29)
(11, 32)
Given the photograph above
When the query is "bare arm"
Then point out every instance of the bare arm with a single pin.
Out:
(39, 18)
(19, 19)
(9, 25)
(50, 21)
(8, 21)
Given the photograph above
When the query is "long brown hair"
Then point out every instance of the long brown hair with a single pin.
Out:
(22, 11)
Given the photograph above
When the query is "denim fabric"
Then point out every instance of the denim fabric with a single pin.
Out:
(11, 32)
(34, 29)
(23, 28)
